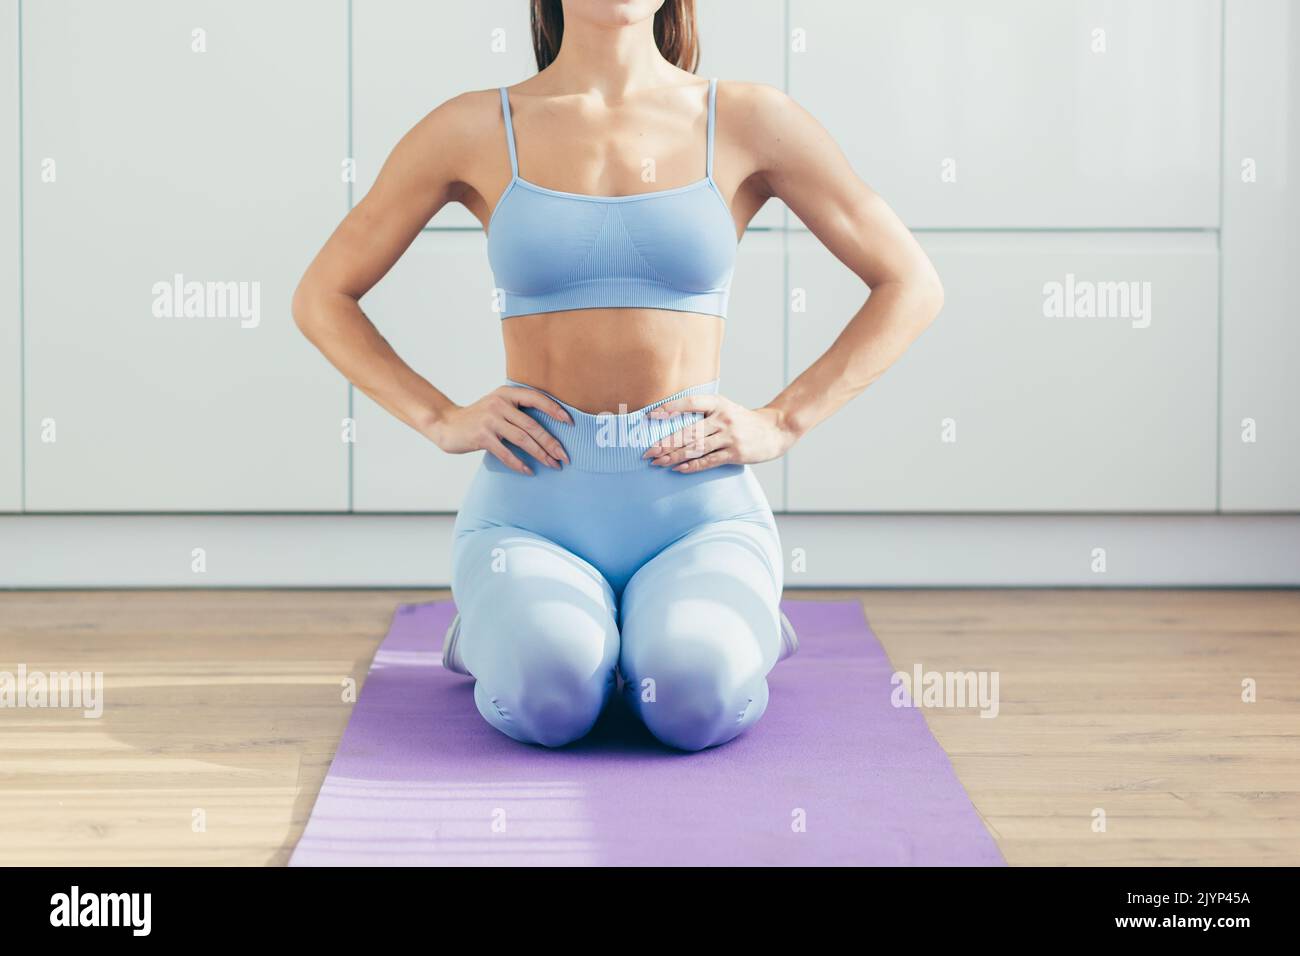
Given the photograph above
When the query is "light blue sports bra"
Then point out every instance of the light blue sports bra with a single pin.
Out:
(669, 249)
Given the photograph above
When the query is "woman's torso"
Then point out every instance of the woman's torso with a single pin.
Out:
(655, 144)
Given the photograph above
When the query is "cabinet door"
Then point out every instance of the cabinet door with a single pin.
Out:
(1260, 436)
(411, 55)
(11, 442)
(745, 40)
(753, 351)
(1020, 113)
(198, 146)
(435, 307)
(1013, 400)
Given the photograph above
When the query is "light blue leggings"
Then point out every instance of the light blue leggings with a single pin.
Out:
(566, 579)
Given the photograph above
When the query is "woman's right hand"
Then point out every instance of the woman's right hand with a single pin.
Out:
(499, 415)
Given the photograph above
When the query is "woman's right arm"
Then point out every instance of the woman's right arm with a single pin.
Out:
(419, 178)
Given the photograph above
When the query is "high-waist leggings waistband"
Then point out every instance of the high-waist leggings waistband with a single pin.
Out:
(609, 441)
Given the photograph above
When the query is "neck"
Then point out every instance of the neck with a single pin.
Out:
(611, 60)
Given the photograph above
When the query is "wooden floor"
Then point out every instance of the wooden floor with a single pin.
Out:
(224, 708)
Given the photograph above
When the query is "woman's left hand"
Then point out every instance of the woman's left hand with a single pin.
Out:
(729, 434)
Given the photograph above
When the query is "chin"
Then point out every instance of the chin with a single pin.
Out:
(612, 13)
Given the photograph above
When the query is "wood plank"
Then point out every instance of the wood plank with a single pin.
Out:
(231, 701)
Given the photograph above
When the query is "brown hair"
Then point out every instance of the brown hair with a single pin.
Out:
(675, 33)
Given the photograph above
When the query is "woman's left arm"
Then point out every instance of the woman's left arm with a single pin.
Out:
(797, 161)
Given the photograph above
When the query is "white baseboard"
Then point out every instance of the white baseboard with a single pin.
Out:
(361, 550)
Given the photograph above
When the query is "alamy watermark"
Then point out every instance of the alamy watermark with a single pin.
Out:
(69, 690)
(75, 908)
(181, 299)
(637, 430)
(1085, 299)
(946, 689)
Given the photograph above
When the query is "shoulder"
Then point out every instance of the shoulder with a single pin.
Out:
(755, 104)
(464, 116)
(450, 139)
(766, 121)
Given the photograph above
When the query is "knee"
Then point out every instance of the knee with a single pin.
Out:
(557, 711)
(547, 696)
(693, 695)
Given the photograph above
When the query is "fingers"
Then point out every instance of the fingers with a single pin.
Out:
(524, 441)
(494, 446)
(697, 448)
(691, 403)
(547, 443)
(723, 457)
(684, 438)
(532, 398)
(507, 421)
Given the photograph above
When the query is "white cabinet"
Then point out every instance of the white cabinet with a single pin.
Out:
(11, 443)
(196, 146)
(1020, 113)
(435, 308)
(753, 359)
(408, 56)
(745, 40)
(1010, 403)
(1261, 247)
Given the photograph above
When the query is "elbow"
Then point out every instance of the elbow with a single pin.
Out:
(929, 297)
(305, 307)
(936, 299)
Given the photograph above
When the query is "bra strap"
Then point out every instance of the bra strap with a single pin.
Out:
(713, 96)
(510, 135)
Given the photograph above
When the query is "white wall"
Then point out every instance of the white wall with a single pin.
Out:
(1091, 142)
(11, 456)
(1000, 408)
(204, 140)
(407, 550)
(1047, 113)
(1260, 425)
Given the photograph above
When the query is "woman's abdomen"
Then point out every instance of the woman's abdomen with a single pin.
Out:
(611, 360)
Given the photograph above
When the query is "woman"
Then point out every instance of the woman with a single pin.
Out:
(614, 186)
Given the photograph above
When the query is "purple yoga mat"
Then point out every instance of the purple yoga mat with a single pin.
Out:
(421, 779)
